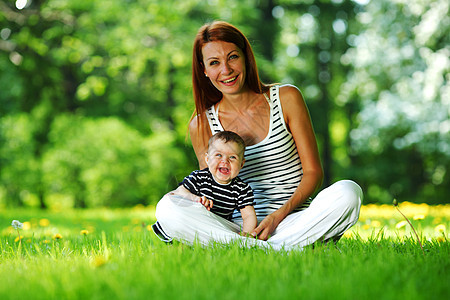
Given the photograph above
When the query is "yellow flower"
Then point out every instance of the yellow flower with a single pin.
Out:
(366, 227)
(98, 261)
(437, 220)
(57, 236)
(18, 239)
(440, 228)
(401, 224)
(44, 222)
(440, 239)
(46, 242)
(84, 232)
(348, 234)
(376, 223)
(419, 217)
(26, 225)
(139, 206)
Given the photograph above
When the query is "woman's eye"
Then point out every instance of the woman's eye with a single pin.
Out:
(215, 62)
(234, 56)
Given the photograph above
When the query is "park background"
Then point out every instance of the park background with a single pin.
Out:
(95, 96)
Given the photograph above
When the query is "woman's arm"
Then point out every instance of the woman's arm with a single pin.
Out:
(298, 122)
(200, 133)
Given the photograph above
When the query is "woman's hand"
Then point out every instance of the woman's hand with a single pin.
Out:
(205, 202)
(265, 228)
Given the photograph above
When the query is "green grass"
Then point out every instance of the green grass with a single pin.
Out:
(121, 259)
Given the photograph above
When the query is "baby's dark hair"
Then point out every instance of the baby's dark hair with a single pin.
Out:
(228, 136)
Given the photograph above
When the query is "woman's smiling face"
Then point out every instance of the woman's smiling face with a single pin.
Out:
(224, 64)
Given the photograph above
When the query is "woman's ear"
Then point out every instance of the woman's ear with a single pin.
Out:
(204, 69)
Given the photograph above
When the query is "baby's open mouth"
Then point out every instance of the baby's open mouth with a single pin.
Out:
(225, 171)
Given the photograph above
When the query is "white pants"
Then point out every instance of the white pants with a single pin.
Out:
(333, 211)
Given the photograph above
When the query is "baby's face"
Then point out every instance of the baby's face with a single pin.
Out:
(224, 160)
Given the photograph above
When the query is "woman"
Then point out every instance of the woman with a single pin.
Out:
(282, 160)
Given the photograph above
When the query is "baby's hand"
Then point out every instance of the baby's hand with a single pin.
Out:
(205, 202)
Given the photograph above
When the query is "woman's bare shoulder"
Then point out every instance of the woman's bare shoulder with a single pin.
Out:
(198, 123)
(194, 124)
(290, 91)
(199, 130)
(291, 98)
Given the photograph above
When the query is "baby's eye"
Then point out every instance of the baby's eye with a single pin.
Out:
(233, 157)
(218, 155)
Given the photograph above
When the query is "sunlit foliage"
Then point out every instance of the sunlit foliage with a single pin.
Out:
(95, 96)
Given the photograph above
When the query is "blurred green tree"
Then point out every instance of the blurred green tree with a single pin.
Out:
(401, 62)
(20, 172)
(104, 162)
(95, 96)
(84, 61)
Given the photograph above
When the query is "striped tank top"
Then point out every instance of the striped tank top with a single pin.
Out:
(272, 167)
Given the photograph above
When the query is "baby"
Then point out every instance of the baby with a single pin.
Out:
(218, 187)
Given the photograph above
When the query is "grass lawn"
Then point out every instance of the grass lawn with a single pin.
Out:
(111, 254)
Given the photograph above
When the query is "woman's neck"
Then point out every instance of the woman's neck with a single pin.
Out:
(239, 102)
